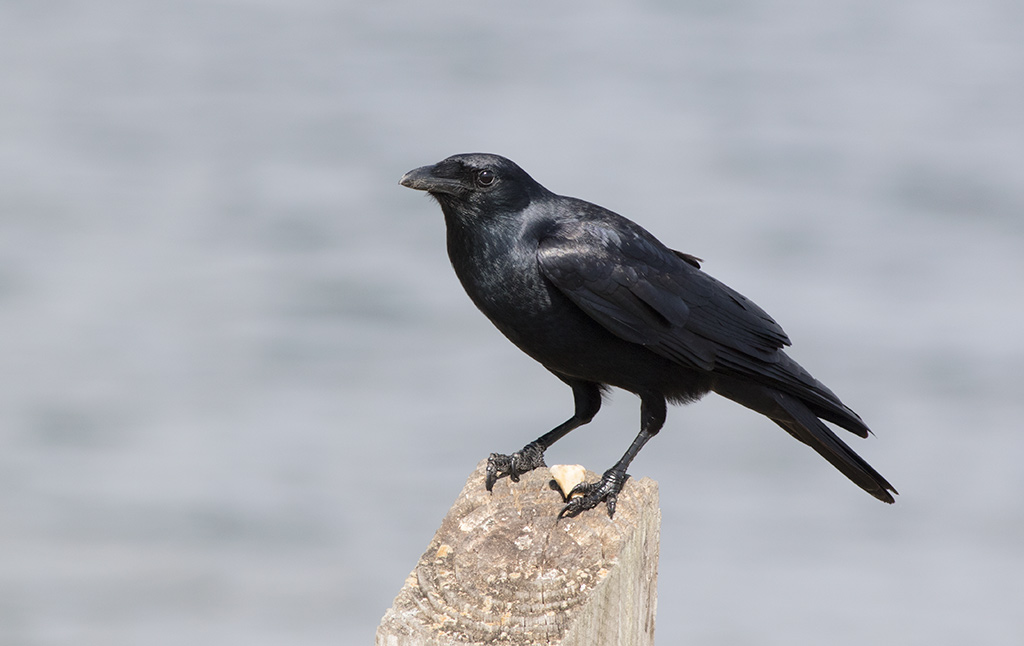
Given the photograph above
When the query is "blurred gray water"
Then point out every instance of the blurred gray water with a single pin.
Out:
(241, 384)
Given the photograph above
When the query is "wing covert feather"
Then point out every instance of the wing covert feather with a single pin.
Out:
(646, 293)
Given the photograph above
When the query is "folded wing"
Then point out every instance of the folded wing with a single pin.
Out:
(645, 293)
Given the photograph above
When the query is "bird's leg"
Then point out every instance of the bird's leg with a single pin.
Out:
(587, 396)
(588, 495)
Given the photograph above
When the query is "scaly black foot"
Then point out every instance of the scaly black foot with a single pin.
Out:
(607, 489)
(499, 465)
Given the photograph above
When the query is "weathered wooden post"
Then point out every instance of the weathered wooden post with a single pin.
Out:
(501, 570)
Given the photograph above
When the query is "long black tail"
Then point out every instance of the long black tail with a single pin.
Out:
(802, 424)
(801, 421)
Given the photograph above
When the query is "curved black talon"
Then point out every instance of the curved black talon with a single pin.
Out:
(607, 490)
(523, 461)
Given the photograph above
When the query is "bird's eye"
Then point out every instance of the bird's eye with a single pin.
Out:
(485, 177)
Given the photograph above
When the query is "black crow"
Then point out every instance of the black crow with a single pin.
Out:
(600, 302)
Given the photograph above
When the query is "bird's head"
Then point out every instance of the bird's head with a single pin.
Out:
(476, 185)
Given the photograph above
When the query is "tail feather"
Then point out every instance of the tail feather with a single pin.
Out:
(805, 426)
(800, 419)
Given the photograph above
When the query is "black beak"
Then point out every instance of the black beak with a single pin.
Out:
(423, 179)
